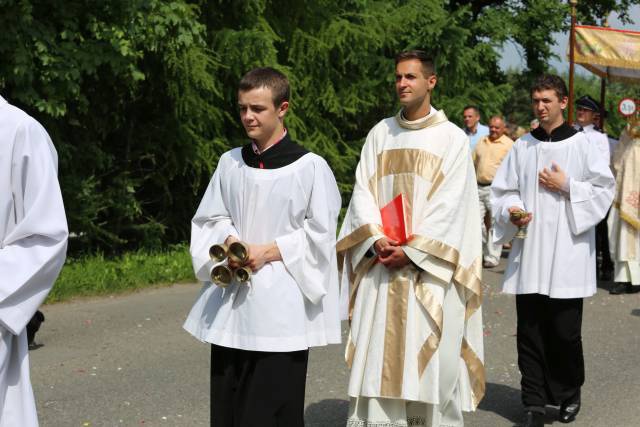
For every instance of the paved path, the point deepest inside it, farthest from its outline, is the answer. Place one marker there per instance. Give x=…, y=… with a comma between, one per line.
x=125, y=361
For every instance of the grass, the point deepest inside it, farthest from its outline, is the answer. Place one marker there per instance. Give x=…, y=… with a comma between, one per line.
x=98, y=275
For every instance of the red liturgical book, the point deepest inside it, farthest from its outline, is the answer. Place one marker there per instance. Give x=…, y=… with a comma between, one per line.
x=393, y=224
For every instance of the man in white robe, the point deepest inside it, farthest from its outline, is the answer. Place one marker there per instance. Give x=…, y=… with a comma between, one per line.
x=624, y=218
x=557, y=175
x=33, y=243
x=587, y=117
x=415, y=345
x=284, y=202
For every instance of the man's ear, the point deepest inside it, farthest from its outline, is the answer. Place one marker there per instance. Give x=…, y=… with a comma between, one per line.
x=431, y=81
x=282, y=109
x=564, y=102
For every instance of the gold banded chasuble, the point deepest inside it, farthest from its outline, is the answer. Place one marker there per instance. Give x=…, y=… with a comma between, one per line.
x=396, y=316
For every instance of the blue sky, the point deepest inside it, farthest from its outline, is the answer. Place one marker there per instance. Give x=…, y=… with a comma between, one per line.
x=512, y=58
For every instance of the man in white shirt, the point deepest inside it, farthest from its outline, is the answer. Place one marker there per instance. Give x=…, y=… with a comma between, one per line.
x=472, y=126
x=565, y=184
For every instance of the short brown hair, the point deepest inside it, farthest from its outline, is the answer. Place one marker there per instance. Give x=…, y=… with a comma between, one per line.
x=270, y=78
x=428, y=64
x=550, y=82
x=471, y=107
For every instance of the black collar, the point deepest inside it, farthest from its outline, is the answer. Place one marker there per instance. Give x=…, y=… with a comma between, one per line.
x=560, y=133
x=279, y=155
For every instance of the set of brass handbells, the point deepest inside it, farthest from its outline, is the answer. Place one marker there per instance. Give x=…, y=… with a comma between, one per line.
x=222, y=275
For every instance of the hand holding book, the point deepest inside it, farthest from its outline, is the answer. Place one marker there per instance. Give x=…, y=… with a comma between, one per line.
x=389, y=248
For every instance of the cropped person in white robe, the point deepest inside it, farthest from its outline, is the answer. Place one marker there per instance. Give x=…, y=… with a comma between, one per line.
x=284, y=202
x=588, y=112
x=33, y=243
x=624, y=218
x=415, y=346
x=561, y=178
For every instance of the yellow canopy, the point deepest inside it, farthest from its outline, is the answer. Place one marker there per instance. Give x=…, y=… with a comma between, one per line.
x=612, y=54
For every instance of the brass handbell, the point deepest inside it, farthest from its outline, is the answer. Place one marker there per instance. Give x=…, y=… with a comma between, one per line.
x=218, y=253
x=221, y=275
x=242, y=274
x=238, y=252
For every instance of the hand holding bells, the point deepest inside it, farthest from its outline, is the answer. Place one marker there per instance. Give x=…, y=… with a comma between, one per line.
x=222, y=275
x=522, y=229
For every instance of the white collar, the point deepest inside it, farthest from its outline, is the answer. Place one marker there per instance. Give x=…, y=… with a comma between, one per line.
x=434, y=117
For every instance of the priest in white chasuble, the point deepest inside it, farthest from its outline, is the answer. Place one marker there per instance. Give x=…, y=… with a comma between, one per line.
x=33, y=244
x=415, y=345
x=283, y=202
x=624, y=218
x=556, y=183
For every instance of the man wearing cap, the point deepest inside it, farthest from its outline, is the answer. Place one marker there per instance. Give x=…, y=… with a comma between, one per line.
x=587, y=117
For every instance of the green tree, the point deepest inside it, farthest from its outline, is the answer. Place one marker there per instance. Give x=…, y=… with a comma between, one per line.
x=139, y=96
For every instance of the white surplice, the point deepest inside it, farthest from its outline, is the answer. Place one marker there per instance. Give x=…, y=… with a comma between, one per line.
x=599, y=139
x=557, y=258
x=33, y=242
x=415, y=346
x=289, y=305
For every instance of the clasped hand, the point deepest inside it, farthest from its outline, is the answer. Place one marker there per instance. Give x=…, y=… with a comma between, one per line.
x=553, y=179
x=259, y=255
x=390, y=253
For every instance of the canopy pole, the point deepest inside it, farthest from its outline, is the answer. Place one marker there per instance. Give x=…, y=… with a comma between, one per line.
x=572, y=42
x=603, y=110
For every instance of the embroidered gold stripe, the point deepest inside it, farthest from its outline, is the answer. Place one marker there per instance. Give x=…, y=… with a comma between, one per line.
x=434, y=309
x=362, y=268
x=426, y=352
x=435, y=248
x=358, y=235
x=469, y=278
x=395, y=336
x=476, y=371
x=350, y=351
x=407, y=161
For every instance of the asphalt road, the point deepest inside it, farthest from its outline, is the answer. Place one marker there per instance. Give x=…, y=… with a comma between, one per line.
x=126, y=361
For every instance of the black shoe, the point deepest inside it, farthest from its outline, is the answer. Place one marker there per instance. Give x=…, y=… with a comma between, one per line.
x=33, y=326
x=568, y=412
x=618, y=288
x=632, y=289
x=533, y=419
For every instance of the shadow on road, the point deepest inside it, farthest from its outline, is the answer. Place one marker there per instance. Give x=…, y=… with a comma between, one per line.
x=327, y=413
x=635, y=312
x=503, y=401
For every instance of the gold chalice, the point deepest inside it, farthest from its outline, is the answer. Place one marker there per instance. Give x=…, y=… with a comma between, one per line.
x=522, y=229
